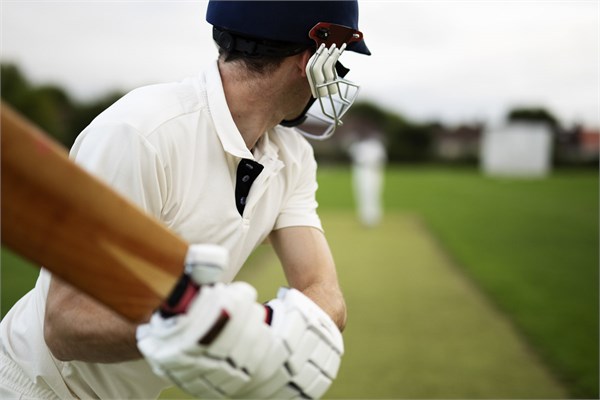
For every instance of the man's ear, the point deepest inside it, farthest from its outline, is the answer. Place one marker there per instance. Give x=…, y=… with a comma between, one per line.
x=303, y=61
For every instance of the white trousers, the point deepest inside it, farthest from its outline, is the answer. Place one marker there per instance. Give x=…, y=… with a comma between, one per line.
x=368, y=188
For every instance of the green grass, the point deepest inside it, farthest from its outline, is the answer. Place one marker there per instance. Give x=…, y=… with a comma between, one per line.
x=18, y=277
x=531, y=245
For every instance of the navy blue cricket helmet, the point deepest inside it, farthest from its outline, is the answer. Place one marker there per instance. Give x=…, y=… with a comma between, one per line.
x=281, y=21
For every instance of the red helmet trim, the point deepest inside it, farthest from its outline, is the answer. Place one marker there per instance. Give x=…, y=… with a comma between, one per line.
x=328, y=33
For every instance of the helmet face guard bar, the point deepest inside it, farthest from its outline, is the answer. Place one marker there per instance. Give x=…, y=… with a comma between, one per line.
x=326, y=75
x=334, y=94
x=341, y=71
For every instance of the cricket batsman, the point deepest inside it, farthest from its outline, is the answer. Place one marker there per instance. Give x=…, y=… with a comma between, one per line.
x=221, y=159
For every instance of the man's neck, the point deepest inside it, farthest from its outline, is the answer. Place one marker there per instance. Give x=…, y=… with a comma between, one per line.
x=254, y=102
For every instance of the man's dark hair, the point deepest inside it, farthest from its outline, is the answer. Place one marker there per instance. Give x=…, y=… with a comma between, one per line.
x=261, y=65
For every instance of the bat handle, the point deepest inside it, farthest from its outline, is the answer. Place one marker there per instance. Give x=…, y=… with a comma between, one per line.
x=205, y=263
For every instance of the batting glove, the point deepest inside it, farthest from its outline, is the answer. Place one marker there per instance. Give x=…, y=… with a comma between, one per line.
x=210, y=340
x=315, y=347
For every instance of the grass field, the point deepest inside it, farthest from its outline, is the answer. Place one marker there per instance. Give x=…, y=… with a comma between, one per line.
x=531, y=245
x=471, y=288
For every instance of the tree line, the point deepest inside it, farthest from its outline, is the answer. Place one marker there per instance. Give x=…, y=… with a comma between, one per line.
x=50, y=106
x=407, y=141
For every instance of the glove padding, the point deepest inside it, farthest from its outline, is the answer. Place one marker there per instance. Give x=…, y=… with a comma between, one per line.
x=211, y=339
x=315, y=345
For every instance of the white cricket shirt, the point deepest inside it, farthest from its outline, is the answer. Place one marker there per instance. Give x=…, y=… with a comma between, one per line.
x=173, y=149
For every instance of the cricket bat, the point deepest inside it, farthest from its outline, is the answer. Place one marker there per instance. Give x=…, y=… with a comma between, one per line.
x=58, y=216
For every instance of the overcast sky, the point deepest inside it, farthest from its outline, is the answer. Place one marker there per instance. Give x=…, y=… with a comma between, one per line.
x=459, y=61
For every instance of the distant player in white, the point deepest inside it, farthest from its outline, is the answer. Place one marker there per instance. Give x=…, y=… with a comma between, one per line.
x=217, y=159
x=368, y=162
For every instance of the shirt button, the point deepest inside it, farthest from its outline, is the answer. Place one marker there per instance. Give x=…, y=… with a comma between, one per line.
x=243, y=201
x=246, y=178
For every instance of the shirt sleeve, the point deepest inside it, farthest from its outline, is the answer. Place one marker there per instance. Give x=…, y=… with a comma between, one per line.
x=121, y=157
x=300, y=206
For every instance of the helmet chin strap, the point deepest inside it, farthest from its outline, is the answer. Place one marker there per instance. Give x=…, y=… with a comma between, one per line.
x=335, y=94
x=290, y=123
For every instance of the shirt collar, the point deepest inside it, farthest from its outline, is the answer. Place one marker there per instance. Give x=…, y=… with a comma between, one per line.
x=266, y=148
x=229, y=135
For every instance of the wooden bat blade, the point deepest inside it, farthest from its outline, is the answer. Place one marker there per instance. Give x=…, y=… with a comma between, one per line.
x=59, y=216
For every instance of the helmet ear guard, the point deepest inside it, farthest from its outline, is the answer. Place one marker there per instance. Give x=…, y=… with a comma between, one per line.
x=326, y=75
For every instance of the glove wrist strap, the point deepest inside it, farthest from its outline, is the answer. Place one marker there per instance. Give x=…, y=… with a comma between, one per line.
x=180, y=298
